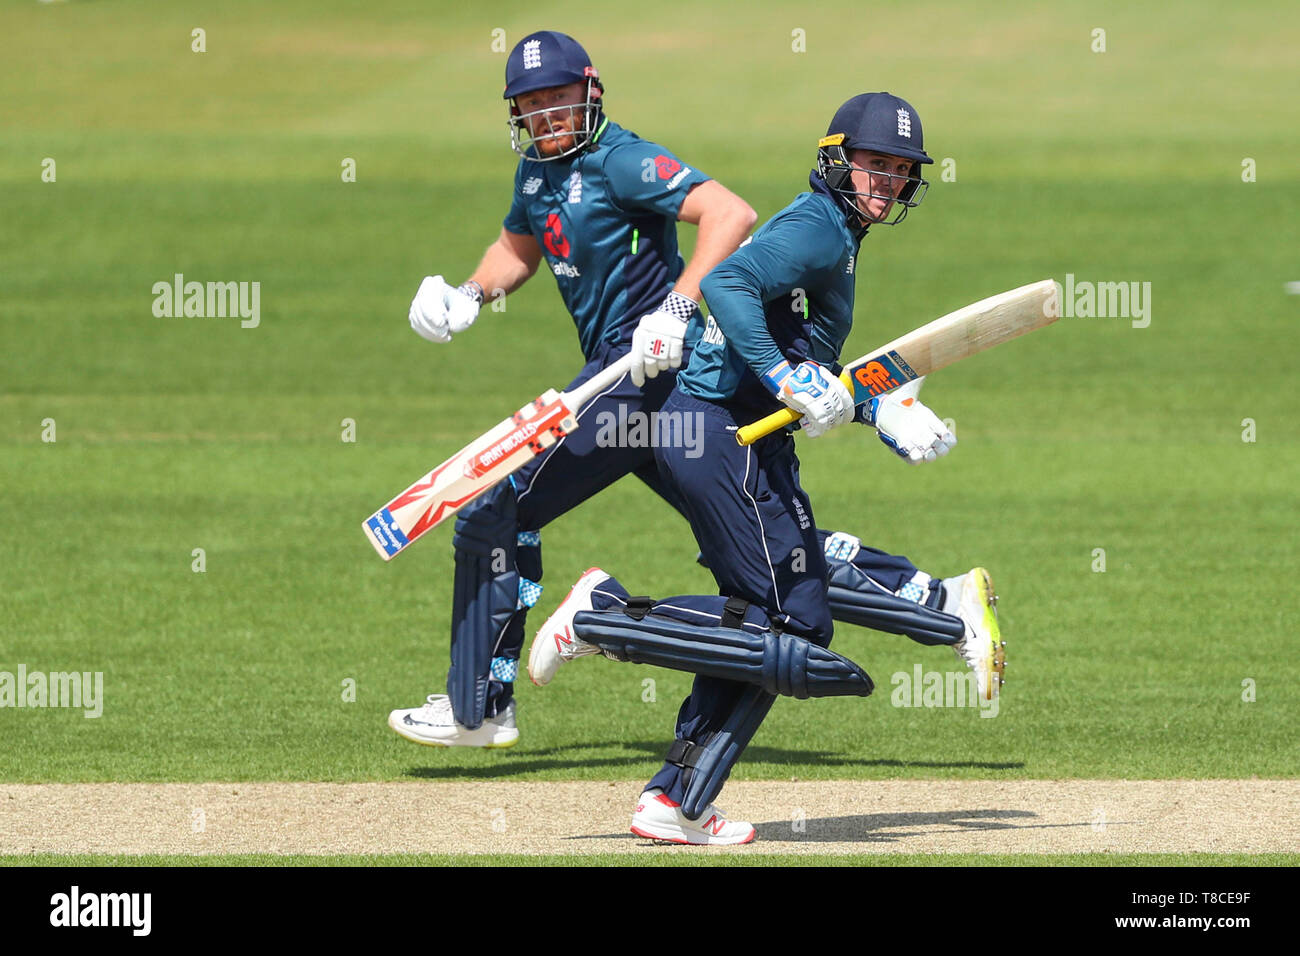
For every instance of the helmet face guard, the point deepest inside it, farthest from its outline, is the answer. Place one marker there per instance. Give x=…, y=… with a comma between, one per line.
x=528, y=130
x=836, y=169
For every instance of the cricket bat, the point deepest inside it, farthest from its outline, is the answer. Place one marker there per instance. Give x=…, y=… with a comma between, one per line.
x=955, y=336
x=489, y=459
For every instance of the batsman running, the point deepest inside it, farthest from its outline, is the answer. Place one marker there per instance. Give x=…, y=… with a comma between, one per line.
x=767, y=631
x=600, y=205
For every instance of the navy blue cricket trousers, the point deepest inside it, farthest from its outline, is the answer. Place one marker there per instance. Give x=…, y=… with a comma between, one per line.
x=755, y=527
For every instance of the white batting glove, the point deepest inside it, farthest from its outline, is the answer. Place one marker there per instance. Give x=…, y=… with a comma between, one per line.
x=907, y=426
x=657, y=340
x=824, y=401
x=439, y=310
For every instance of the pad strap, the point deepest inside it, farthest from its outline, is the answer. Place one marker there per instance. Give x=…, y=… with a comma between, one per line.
x=685, y=754
x=638, y=607
x=733, y=612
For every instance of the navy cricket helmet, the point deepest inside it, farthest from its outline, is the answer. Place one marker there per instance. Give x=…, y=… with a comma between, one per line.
x=541, y=61
x=882, y=123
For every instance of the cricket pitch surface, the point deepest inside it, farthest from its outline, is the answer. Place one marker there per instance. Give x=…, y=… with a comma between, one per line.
x=586, y=817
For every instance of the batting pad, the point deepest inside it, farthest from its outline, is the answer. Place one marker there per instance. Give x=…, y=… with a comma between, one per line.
x=778, y=663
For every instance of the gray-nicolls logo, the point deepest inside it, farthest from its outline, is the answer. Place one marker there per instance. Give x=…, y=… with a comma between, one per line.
x=76, y=908
x=904, y=123
x=532, y=54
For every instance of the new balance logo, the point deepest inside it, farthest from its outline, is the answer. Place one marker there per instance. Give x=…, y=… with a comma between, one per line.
x=715, y=824
x=904, y=123
x=532, y=54
x=532, y=184
x=875, y=378
x=562, y=639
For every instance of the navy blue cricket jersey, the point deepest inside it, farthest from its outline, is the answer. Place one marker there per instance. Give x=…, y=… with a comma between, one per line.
x=607, y=224
x=785, y=294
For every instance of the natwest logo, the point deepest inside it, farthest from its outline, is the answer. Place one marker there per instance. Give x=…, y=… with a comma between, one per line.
x=665, y=166
x=554, y=239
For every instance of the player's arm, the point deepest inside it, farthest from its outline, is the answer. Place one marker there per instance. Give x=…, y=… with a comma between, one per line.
x=440, y=310
x=723, y=220
x=508, y=263
x=792, y=254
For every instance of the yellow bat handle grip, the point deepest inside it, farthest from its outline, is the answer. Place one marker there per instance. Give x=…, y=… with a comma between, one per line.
x=777, y=420
x=765, y=426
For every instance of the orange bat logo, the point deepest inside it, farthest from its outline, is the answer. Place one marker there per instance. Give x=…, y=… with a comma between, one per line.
x=875, y=378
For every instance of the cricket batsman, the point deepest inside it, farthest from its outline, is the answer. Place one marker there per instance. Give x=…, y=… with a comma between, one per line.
x=600, y=205
x=767, y=631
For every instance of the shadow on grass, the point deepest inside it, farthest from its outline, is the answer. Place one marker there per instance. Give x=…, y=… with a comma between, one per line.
x=636, y=753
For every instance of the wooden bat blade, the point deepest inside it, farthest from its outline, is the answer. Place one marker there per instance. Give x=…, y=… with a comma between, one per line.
x=477, y=467
x=958, y=335
x=968, y=331
x=487, y=460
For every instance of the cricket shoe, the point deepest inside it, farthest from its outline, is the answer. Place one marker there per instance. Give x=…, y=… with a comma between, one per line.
x=555, y=642
x=660, y=819
x=434, y=726
x=971, y=597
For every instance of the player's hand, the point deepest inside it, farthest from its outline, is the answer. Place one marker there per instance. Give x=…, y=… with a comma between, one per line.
x=812, y=390
x=439, y=310
x=657, y=340
x=907, y=426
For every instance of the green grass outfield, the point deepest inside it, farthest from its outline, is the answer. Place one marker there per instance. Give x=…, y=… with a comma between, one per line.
x=674, y=857
x=185, y=433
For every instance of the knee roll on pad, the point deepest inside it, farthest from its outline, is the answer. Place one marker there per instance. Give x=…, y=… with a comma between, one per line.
x=778, y=663
x=855, y=599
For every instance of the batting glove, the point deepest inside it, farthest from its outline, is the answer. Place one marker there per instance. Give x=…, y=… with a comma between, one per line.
x=812, y=390
x=439, y=310
x=908, y=427
x=657, y=340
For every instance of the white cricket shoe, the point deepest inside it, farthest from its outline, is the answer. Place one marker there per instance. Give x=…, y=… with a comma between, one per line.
x=434, y=726
x=555, y=642
x=658, y=818
x=971, y=597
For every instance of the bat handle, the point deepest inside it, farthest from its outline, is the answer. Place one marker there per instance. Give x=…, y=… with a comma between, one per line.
x=751, y=433
x=589, y=389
